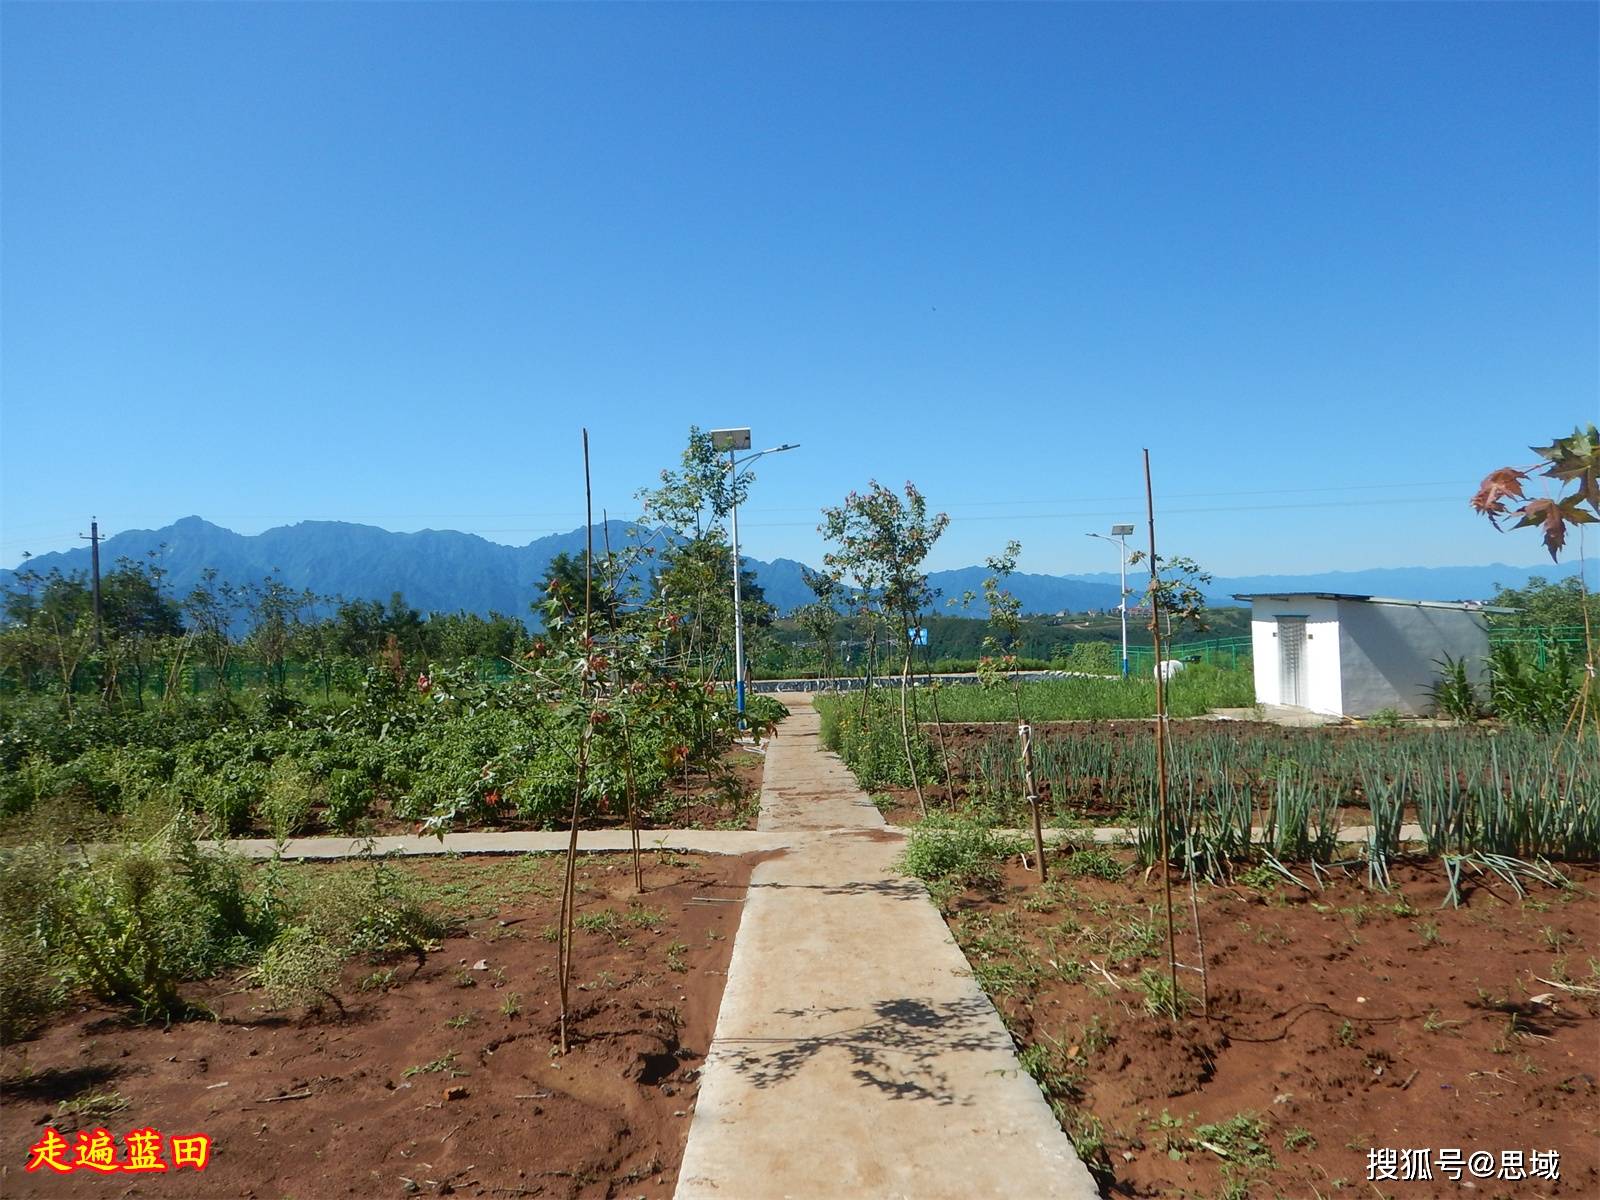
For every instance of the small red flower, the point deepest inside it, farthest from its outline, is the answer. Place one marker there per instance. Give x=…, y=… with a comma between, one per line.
x=492, y=799
x=424, y=684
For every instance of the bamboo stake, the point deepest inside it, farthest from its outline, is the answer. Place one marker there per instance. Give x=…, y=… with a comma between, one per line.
x=905, y=724
x=627, y=740
x=1025, y=734
x=944, y=751
x=569, y=890
x=1161, y=729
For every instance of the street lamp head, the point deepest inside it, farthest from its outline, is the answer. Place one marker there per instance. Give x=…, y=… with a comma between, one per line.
x=730, y=439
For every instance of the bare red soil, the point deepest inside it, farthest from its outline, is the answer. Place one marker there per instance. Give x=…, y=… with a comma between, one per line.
x=1342, y=1021
x=443, y=1081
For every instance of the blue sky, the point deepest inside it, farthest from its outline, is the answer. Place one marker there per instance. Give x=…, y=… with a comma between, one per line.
x=1331, y=263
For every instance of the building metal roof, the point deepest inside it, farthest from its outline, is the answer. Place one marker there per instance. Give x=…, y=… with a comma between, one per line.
x=1461, y=605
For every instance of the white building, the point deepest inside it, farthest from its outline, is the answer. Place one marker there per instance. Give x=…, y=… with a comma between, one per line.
x=1352, y=656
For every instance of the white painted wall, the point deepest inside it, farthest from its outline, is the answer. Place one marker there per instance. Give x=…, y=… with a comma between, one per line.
x=1321, y=661
x=1389, y=653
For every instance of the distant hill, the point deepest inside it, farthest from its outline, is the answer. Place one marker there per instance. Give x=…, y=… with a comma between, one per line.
x=437, y=570
x=1038, y=593
x=443, y=570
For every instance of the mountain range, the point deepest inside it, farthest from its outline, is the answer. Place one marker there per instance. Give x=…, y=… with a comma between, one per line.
x=441, y=570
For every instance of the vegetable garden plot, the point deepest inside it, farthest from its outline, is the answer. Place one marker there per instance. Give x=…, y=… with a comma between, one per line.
x=438, y=1075
x=1518, y=793
x=1351, y=1030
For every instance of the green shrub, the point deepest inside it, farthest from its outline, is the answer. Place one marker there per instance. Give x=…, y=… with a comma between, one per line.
x=121, y=924
x=1453, y=694
x=29, y=990
x=290, y=796
x=28, y=993
x=945, y=848
x=299, y=969
x=1095, y=863
x=130, y=925
x=872, y=743
x=764, y=710
x=1093, y=658
x=1524, y=693
x=349, y=799
x=372, y=908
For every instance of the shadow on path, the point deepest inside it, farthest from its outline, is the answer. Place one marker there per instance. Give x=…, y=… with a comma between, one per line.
x=898, y=889
x=895, y=1053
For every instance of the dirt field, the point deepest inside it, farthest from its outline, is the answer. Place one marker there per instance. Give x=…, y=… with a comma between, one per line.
x=441, y=1077
x=1343, y=1021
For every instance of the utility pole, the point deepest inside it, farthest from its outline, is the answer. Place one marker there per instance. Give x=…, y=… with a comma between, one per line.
x=93, y=538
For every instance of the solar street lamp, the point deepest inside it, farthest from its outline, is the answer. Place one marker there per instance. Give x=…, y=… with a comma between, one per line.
x=734, y=440
x=1118, y=536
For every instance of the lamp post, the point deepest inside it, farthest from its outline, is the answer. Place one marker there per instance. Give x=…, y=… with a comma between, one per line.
x=733, y=440
x=1118, y=536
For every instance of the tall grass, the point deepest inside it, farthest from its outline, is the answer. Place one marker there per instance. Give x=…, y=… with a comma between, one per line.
x=1516, y=792
x=1191, y=693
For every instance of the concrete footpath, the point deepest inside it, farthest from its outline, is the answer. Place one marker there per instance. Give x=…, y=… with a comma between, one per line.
x=854, y=1055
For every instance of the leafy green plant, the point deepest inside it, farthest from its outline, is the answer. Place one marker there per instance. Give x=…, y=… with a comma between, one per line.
x=880, y=542
x=1161, y=997
x=115, y=917
x=445, y=1063
x=1299, y=1138
x=299, y=969
x=1384, y=718
x=350, y=798
x=865, y=733
x=290, y=795
x=605, y=921
x=1241, y=1139
x=946, y=848
x=764, y=711
x=1454, y=694
x=1541, y=697
x=29, y=990
x=378, y=981
x=1096, y=863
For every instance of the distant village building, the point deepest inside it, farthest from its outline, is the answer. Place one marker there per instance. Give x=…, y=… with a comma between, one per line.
x=1352, y=656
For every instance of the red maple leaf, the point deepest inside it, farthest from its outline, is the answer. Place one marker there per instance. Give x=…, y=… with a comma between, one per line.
x=1496, y=487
